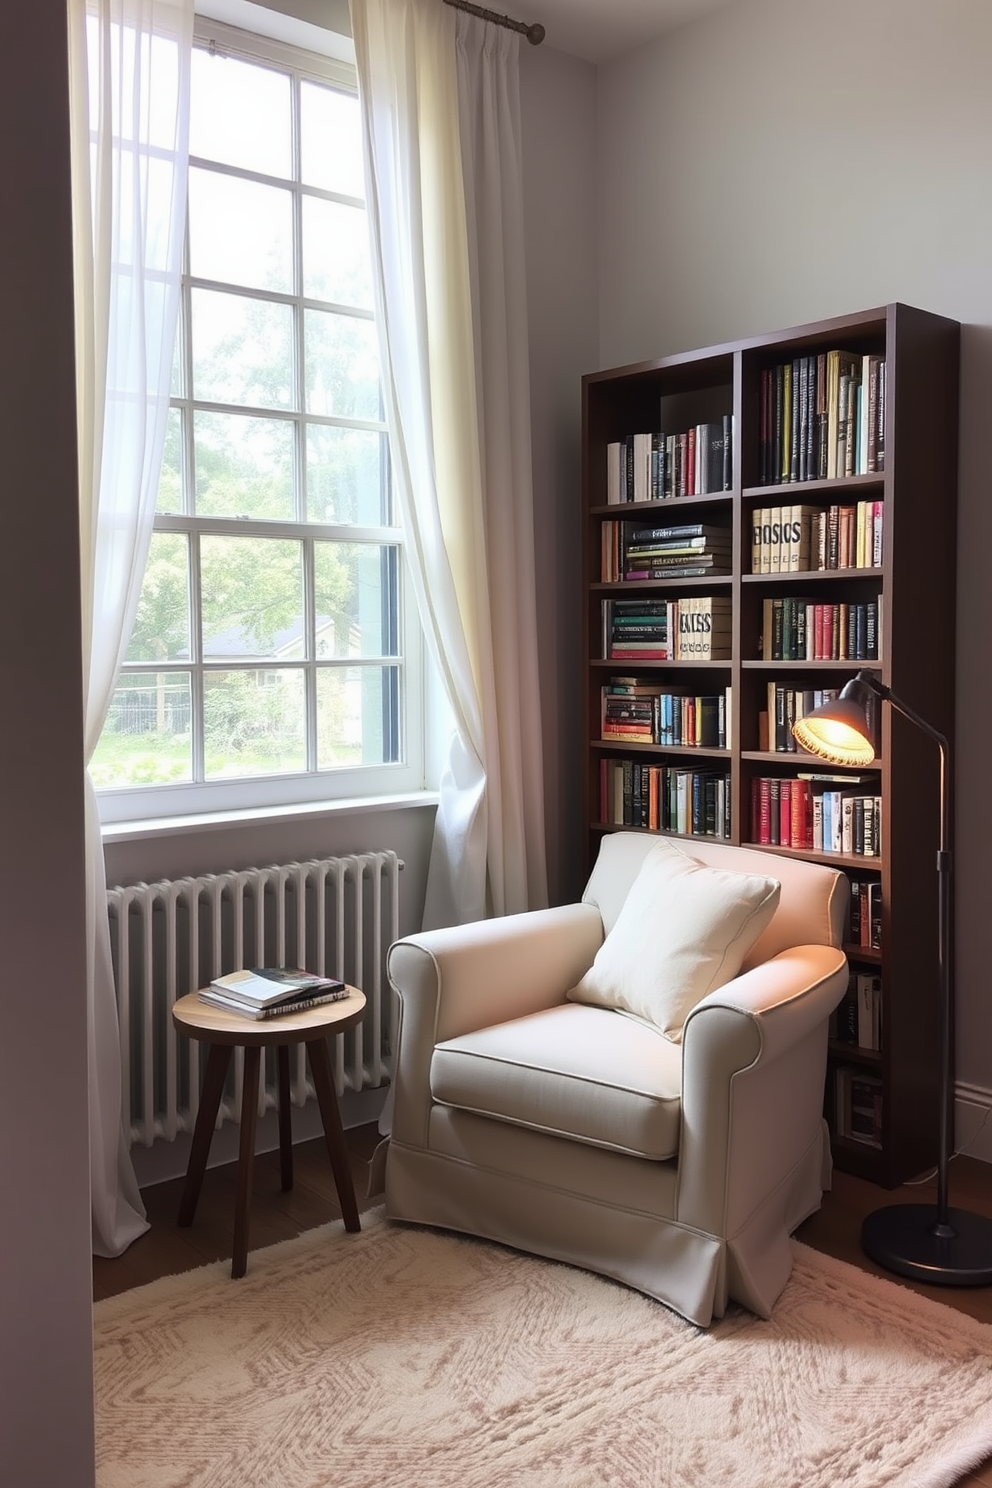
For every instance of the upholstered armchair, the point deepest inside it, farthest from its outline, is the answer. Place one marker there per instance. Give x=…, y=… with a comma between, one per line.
x=672, y=1145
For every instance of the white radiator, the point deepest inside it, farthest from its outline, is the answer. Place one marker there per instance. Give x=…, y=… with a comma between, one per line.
x=336, y=916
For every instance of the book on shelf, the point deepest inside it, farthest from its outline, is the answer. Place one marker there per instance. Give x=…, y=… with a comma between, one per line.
x=797, y=811
x=704, y=628
x=695, y=568
x=858, y=1105
x=869, y=990
x=695, y=628
x=272, y=986
x=796, y=628
x=669, y=798
x=656, y=466
x=857, y=1020
x=821, y=415
x=647, y=713
x=843, y=1022
x=811, y=539
x=641, y=628
x=659, y=543
x=865, y=928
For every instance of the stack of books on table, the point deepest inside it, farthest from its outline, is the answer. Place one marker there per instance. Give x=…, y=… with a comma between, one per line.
x=267, y=991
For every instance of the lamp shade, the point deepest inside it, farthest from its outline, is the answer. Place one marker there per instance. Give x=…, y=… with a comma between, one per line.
x=839, y=731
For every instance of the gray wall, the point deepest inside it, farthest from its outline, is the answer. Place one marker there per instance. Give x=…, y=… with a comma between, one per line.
x=46, y=1399
x=784, y=160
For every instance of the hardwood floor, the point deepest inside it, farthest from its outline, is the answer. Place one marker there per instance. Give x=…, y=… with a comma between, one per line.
x=312, y=1201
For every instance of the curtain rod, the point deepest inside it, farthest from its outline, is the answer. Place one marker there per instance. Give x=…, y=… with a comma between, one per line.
x=534, y=34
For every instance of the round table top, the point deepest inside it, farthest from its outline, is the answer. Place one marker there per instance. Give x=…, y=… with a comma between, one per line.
x=214, y=1025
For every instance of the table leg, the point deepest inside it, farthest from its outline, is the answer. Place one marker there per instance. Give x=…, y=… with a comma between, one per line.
x=246, y=1159
x=330, y=1115
x=285, y=1120
x=218, y=1061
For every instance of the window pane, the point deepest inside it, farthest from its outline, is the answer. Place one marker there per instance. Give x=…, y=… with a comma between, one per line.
x=342, y=366
x=170, y=481
x=240, y=231
x=161, y=627
x=253, y=722
x=242, y=350
x=244, y=466
x=355, y=599
x=146, y=738
x=331, y=140
x=347, y=476
x=252, y=598
x=336, y=255
x=356, y=716
x=240, y=114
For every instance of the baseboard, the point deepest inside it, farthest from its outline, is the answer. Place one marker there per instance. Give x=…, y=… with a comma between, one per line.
x=165, y=1160
x=972, y=1126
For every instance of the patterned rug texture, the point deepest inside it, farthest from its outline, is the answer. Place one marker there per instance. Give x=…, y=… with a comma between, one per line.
x=408, y=1358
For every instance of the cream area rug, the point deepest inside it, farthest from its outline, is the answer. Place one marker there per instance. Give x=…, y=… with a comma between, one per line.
x=403, y=1357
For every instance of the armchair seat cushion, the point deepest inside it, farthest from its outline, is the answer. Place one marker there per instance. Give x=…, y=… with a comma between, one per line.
x=590, y=1074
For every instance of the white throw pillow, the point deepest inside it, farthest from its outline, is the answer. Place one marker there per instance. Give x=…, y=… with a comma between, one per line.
x=683, y=931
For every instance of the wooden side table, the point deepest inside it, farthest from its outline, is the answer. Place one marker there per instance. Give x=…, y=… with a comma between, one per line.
x=224, y=1032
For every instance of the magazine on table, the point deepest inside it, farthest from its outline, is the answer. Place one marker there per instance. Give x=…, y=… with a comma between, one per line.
x=294, y=1004
x=265, y=987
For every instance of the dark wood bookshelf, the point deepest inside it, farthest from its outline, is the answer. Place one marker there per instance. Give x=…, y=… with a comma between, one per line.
x=914, y=589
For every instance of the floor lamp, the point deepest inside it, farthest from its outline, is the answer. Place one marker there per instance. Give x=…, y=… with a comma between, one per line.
x=928, y=1242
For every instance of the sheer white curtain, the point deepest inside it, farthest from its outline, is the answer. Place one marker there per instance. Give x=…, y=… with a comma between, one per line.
x=129, y=93
x=442, y=136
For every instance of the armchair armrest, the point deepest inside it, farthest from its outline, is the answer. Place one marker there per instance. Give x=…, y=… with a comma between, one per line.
x=746, y=1110
x=456, y=980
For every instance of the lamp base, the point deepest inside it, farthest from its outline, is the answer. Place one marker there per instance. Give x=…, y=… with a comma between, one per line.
x=910, y=1240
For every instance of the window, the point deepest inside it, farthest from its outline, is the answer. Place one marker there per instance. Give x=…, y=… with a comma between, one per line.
x=274, y=658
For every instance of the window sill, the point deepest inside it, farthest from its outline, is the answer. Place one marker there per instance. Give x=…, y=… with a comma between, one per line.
x=176, y=826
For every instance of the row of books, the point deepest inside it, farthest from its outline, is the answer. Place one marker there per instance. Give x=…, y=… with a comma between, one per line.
x=267, y=991
x=822, y=416
x=636, y=712
x=649, y=628
x=858, y=1111
x=816, y=539
x=691, y=550
x=857, y=1019
x=866, y=913
x=693, y=557
x=661, y=467
x=804, y=813
x=665, y=798
x=795, y=628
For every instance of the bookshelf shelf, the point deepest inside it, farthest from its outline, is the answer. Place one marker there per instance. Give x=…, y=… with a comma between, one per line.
x=812, y=488
x=851, y=1054
x=871, y=955
x=912, y=501
x=799, y=761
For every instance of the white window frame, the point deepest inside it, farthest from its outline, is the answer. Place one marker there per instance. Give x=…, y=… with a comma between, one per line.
x=319, y=786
